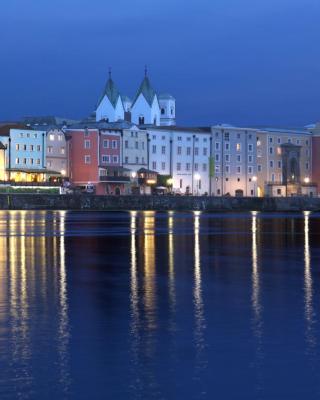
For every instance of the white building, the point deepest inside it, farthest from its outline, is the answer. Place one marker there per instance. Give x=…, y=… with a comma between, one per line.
x=110, y=106
x=147, y=108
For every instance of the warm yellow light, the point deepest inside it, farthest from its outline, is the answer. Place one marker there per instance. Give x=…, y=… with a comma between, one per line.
x=197, y=177
x=151, y=181
x=133, y=174
x=170, y=181
x=63, y=172
x=306, y=179
x=254, y=179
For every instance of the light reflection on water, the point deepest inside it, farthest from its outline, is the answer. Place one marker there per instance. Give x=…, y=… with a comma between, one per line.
x=181, y=305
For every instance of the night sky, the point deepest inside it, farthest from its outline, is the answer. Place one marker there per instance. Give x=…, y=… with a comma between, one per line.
x=245, y=62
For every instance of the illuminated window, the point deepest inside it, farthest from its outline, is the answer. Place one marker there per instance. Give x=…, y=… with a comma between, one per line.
x=51, y=137
x=238, y=146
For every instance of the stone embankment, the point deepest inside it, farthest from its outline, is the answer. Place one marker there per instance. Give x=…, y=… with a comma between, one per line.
x=161, y=203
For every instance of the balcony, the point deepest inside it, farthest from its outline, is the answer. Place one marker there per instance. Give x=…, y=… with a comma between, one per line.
x=114, y=179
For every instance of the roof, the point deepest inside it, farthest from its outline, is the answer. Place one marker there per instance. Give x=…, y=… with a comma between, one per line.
x=146, y=90
x=165, y=96
x=174, y=128
x=285, y=130
x=121, y=124
x=147, y=171
x=5, y=129
x=111, y=92
x=2, y=146
x=47, y=120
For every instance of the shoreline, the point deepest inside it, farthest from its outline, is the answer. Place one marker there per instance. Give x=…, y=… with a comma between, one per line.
x=156, y=203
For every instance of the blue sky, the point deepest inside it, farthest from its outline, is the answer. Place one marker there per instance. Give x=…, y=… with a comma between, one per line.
x=244, y=62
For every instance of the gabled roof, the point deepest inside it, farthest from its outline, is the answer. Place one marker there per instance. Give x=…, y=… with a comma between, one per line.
x=146, y=90
x=111, y=91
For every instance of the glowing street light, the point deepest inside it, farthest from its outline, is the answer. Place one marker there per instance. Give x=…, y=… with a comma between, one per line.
x=133, y=174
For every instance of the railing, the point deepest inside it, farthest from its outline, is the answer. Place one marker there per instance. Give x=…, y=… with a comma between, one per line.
x=115, y=179
x=31, y=184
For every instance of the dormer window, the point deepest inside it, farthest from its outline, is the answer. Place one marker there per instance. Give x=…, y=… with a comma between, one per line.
x=163, y=111
x=141, y=120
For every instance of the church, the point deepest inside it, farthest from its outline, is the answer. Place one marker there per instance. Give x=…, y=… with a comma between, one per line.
x=146, y=108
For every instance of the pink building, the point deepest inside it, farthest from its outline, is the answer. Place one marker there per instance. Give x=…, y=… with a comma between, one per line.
x=95, y=157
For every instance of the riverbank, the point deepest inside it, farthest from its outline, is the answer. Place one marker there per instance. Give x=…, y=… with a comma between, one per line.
x=159, y=203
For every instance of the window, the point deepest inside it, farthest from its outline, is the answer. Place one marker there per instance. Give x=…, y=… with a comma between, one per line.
x=115, y=144
x=279, y=151
x=86, y=133
x=137, y=145
x=179, y=138
x=272, y=177
x=115, y=159
x=196, y=151
x=105, y=159
x=17, y=147
x=31, y=161
x=31, y=147
x=204, y=140
x=62, y=150
x=238, y=146
x=259, y=167
x=270, y=150
x=205, y=151
x=307, y=142
x=50, y=149
x=48, y=163
x=227, y=146
x=178, y=166
x=238, y=135
x=154, y=137
x=249, y=170
x=250, y=136
x=18, y=160
x=238, y=158
x=279, y=140
x=271, y=164
x=24, y=147
x=217, y=168
x=163, y=166
x=226, y=136
x=28, y=135
x=179, y=150
x=154, y=149
x=188, y=151
x=307, y=165
x=227, y=169
x=51, y=137
x=227, y=157
x=204, y=167
x=162, y=111
x=137, y=160
x=126, y=144
x=289, y=140
x=154, y=165
x=188, y=166
x=35, y=135
x=238, y=169
x=188, y=139
x=87, y=159
x=250, y=147
x=270, y=139
x=38, y=147
x=38, y=161
x=217, y=158
x=250, y=159
x=298, y=141
x=181, y=181
x=21, y=135
x=163, y=149
x=60, y=137
x=279, y=192
x=126, y=160
x=106, y=143
x=196, y=166
x=217, y=146
x=279, y=164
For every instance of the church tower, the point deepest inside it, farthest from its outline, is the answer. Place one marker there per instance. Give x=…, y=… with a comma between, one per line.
x=145, y=108
x=110, y=107
x=167, y=109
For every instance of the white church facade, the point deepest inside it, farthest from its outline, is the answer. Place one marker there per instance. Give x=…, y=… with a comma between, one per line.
x=147, y=108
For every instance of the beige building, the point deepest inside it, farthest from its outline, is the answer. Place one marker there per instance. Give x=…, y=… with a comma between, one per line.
x=134, y=148
x=57, y=159
x=284, y=162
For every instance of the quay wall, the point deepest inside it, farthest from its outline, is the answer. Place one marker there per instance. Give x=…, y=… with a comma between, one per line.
x=160, y=203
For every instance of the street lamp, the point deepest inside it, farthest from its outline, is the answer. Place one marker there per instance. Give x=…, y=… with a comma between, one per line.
x=254, y=180
x=170, y=183
x=306, y=179
x=197, y=177
x=133, y=174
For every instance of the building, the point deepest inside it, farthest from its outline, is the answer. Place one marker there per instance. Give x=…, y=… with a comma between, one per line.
x=134, y=148
x=57, y=155
x=284, y=162
x=25, y=154
x=147, y=107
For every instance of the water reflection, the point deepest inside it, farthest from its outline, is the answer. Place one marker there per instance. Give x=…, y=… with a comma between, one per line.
x=29, y=274
x=308, y=287
x=172, y=296
x=201, y=360
x=256, y=302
